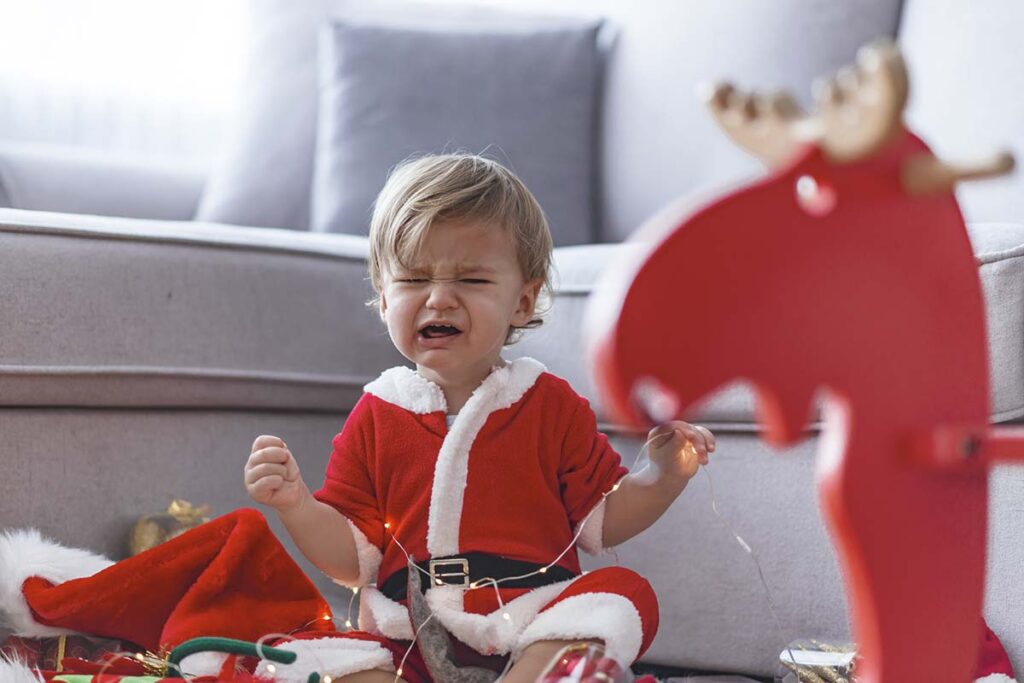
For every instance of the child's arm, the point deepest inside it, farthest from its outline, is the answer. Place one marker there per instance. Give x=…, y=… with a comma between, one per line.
x=272, y=477
x=642, y=498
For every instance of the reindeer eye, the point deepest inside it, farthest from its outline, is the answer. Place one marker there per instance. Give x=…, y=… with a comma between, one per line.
x=815, y=197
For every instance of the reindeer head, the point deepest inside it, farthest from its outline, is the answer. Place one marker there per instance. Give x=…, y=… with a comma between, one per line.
x=761, y=284
x=859, y=111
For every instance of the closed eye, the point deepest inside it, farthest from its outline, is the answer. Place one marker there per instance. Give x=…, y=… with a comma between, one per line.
x=412, y=280
x=476, y=281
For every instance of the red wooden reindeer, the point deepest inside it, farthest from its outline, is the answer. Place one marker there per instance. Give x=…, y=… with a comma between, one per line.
x=847, y=270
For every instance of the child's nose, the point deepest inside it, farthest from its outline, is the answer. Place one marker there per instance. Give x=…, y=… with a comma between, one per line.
x=442, y=295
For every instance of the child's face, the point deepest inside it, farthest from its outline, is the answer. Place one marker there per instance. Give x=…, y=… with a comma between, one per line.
x=466, y=277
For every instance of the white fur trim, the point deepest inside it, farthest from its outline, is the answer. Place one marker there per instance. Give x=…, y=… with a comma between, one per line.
x=611, y=618
x=381, y=615
x=16, y=671
x=500, y=389
x=203, y=663
x=995, y=678
x=490, y=633
x=25, y=553
x=334, y=657
x=369, y=557
x=486, y=633
x=591, y=541
x=408, y=389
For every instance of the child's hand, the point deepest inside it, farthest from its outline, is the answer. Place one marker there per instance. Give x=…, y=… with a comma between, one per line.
x=678, y=448
x=272, y=476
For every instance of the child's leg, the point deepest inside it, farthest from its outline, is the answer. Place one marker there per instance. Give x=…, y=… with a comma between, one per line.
x=535, y=659
x=612, y=605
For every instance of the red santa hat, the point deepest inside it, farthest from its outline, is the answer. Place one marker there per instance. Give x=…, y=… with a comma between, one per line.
x=229, y=577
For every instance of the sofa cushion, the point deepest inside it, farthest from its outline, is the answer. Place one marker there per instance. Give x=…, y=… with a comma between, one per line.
x=999, y=248
x=265, y=173
x=658, y=140
x=48, y=177
x=524, y=95
x=128, y=312
x=715, y=613
x=967, y=102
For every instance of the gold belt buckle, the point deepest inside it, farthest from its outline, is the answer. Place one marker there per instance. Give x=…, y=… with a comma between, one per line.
x=460, y=564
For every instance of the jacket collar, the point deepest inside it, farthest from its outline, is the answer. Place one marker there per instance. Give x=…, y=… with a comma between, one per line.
x=406, y=388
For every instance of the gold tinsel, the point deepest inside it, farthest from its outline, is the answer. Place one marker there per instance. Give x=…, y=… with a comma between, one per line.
x=152, y=530
x=821, y=674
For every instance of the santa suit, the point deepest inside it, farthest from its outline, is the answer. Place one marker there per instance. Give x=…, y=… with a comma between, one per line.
x=520, y=468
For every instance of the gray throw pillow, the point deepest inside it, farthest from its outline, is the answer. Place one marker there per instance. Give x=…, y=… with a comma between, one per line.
x=525, y=96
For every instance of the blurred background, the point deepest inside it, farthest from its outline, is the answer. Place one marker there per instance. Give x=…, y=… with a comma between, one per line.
x=147, y=78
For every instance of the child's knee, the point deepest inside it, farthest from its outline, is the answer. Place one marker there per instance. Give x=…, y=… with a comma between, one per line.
x=620, y=580
x=627, y=584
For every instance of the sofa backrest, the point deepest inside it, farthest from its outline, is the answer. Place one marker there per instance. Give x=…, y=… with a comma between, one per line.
x=967, y=93
x=658, y=141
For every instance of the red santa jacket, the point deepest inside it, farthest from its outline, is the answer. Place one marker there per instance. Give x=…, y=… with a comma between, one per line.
x=521, y=466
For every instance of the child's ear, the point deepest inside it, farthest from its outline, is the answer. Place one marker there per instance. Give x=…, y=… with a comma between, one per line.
x=527, y=302
x=383, y=307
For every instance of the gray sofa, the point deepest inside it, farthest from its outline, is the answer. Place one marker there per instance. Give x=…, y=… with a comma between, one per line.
x=142, y=351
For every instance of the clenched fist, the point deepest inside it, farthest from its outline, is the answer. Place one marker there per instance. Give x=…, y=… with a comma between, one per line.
x=272, y=476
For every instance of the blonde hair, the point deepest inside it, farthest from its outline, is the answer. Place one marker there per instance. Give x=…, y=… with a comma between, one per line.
x=439, y=187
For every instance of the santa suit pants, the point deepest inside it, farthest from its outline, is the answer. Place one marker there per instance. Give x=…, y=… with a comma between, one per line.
x=595, y=606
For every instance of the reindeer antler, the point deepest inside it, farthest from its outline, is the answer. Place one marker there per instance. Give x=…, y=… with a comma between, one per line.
x=858, y=110
x=771, y=127
x=925, y=174
x=861, y=107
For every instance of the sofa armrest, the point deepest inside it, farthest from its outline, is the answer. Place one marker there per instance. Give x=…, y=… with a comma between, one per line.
x=56, y=178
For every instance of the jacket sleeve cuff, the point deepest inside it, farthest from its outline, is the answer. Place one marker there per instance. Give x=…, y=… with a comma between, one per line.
x=369, y=557
x=591, y=536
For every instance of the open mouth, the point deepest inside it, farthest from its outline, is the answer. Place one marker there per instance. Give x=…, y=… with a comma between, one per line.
x=439, y=330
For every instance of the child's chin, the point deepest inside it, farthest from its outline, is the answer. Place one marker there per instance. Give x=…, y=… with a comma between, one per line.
x=438, y=359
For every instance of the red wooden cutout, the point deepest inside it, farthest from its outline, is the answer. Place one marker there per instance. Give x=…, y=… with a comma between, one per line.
x=871, y=295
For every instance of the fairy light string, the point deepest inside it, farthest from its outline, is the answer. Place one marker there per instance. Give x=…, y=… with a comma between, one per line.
x=642, y=458
x=287, y=637
x=753, y=556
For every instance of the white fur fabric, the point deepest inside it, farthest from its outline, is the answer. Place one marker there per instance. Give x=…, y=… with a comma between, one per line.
x=203, y=663
x=490, y=633
x=996, y=678
x=381, y=615
x=610, y=618
x=591, y=540
x=369, y=559
x=408, y=389
x=500, y=389
x=14, y=671
x=487, y=633
x=26, y=553
x=334, y=657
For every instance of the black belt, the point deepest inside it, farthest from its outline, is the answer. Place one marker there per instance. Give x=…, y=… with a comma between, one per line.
x=463, y=570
